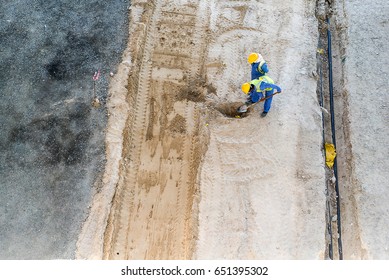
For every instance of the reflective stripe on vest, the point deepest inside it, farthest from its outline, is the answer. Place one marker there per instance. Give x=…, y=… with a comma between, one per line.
x=260, y=67
x=267, y=79
x=257, y=83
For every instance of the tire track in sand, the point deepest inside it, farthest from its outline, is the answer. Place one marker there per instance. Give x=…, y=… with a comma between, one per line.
x=151, y=215
x=117, y=235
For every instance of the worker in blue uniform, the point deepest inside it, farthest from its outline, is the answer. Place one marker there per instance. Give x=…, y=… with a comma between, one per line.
x=260, y=88
x=259, y=66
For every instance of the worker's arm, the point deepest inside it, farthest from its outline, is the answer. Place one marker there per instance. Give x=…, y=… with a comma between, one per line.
x=254, y=97
x=266, y=85
x=265, y=68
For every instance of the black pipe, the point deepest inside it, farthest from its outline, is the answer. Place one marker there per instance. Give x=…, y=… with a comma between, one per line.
x=334, y=139
x=321, y=103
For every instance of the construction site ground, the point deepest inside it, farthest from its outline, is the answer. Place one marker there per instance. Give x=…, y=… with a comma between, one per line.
x=186, y=177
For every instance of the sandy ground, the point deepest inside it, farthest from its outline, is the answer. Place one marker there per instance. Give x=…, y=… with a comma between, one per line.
x=363, y=86
x=191, y=178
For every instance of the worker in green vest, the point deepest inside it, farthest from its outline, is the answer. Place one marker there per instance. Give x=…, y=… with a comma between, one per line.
x=258, y=89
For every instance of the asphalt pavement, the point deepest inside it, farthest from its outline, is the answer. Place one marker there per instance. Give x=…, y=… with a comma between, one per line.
x=51, y=137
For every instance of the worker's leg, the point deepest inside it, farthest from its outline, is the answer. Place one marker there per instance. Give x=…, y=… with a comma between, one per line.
x=267, y=105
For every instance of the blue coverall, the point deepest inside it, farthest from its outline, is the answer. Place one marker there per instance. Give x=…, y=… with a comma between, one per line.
x=260, y=86
x=258, y=70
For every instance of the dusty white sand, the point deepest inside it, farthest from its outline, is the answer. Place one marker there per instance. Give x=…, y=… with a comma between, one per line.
x=262, y=181
x=366, y=81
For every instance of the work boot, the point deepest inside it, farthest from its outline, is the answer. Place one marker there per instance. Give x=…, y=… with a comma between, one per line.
x=263, y=114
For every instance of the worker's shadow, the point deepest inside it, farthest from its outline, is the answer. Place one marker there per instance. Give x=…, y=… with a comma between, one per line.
x=231, y=110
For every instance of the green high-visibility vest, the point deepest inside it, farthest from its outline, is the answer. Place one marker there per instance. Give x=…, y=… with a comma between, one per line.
x=257, y=83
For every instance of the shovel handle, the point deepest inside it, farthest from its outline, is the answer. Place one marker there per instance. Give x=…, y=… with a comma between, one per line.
x=260, y=100
x=265, y=98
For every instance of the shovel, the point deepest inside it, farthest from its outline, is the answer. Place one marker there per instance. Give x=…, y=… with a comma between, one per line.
x=243, y=108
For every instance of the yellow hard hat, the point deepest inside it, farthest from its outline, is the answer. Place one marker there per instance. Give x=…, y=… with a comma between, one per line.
x=252, y=57
x=246, y=88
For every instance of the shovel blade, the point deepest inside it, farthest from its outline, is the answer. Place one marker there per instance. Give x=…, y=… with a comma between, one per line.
x=242, y=109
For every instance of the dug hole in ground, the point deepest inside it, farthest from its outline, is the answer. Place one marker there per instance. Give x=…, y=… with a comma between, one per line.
x=186, y=179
